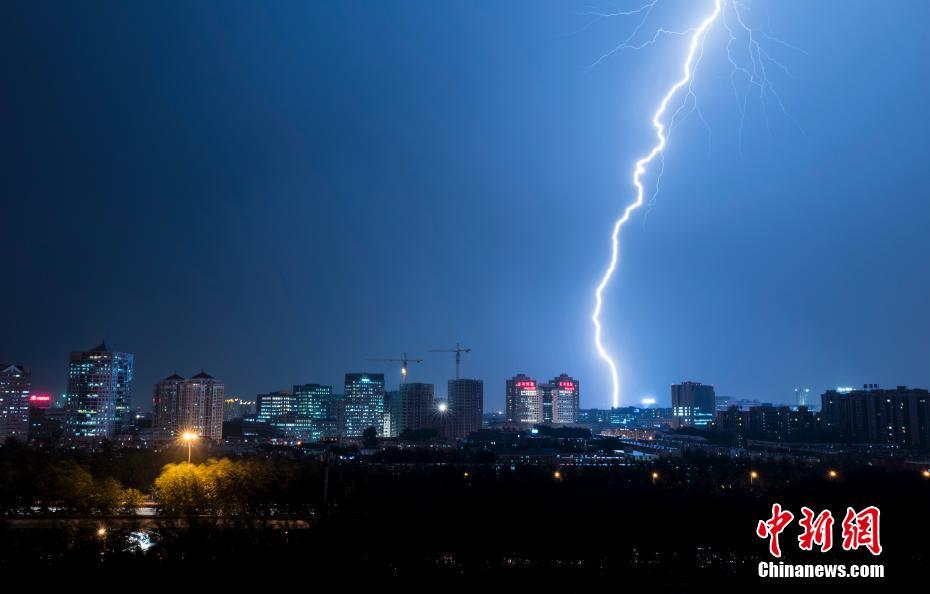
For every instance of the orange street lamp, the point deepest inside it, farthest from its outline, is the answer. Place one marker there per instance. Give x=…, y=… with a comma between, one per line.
x=926, y=474
x=557, y=475
x=655, y=477
x=752, y=476
x=833, y=474
x=189, y=437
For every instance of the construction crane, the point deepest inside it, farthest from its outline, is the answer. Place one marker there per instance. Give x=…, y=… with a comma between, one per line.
x=458, y=350
x=405, y=360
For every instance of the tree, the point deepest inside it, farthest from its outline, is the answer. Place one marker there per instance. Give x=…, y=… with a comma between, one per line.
x=370, y=438
x=132, y=500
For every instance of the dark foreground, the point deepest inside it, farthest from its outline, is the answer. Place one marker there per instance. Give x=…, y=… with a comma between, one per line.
x=690, y=528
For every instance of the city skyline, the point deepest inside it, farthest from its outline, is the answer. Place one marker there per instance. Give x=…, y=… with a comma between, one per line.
x=339, y=221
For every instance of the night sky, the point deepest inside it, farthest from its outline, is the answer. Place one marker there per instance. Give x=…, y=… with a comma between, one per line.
x=275, y=191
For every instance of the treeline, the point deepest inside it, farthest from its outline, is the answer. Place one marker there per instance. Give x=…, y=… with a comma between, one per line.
x=252, y=487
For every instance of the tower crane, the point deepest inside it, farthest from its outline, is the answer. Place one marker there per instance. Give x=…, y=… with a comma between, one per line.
x=405, y=361
x=458, y=350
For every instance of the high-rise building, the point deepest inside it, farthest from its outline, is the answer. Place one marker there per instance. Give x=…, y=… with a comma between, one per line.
x=313, y=402
x=417, y=409
x=523, y=400
x=310, y=400
x=693, y=404
x=194, y=405
x=393, y=413
x=99, y=389
x=899, y=415
x=201, y=409
x=802, y=396
x=466, y=405
x=273, y=404
x=560, y=400
x=15, y=384
x=165, y=407
x=364, y=398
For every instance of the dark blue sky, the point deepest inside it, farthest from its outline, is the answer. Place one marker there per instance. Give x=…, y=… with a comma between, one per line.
x=275, y=191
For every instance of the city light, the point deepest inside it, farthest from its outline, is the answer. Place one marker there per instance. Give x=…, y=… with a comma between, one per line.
x=189, y=437
x=833, y=474
x=101, y=531
x=443, y=407
x=557, y=475
x=753, y=475
x=926, y=474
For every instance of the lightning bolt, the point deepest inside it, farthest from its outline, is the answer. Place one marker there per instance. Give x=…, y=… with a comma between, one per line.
x=698, y=34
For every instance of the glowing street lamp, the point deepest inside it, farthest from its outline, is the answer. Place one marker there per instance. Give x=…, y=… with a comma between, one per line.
x=753, y=475
x=655, y=477
x=443, y=407
x=189, y=437
x=833, y=474
x=926, y=474
x=557, y=475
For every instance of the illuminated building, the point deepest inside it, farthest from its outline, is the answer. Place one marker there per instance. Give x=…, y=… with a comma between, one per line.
x=560, y=400
x=194, y=405
x=15, y=383
x=364, y=403
x=898, y=416
x=393, y=412
x=273, y=404
x=99, y=388
x=802, y=396
x=693, y=404
x=313, y=402
x=466, y=405
x=310, y=400
x=40, y=400
x=523, y=400
x=236, y=408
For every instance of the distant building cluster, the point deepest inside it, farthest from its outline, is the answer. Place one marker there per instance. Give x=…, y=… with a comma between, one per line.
x=96, y=408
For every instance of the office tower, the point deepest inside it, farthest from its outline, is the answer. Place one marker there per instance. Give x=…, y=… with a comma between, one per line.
x=15, y=384
x=560, y=400
x=417, y=408
x=310, y=400
x=898, y=415
x=466, y=405
x=273, y=404
x=189, y=405
x=393, y=414
x=99, y=388
x=693, y=404
x=364, y=398
x=523, y=400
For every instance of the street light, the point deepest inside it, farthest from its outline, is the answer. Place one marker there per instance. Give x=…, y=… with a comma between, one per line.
x=833, y=474
x=557, y=475
x=189, y=437
x=752, y=476
x=655, y=477
x=926, y=474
